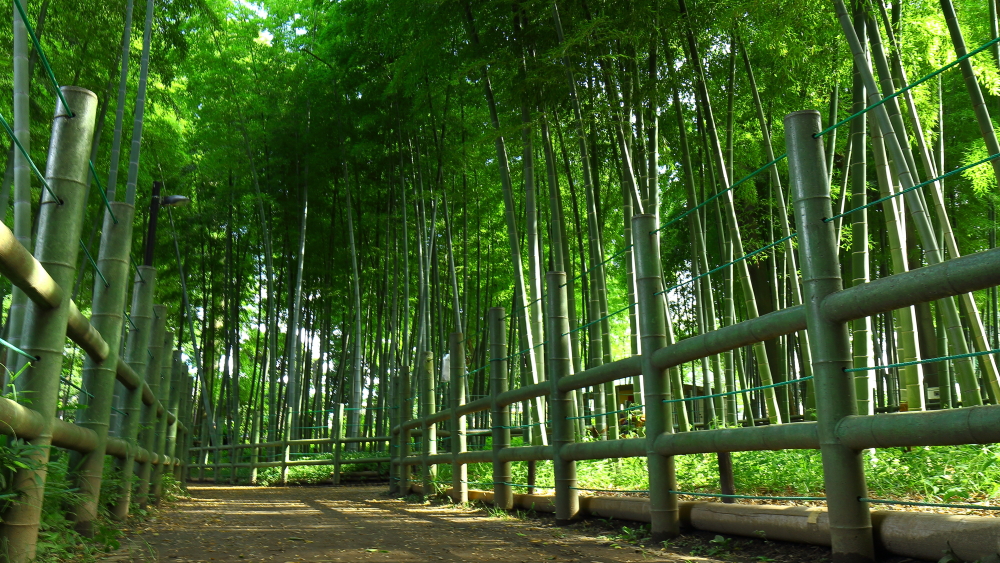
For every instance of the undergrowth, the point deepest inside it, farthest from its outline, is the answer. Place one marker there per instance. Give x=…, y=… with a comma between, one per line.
x=953, y=474
x=58, y=541
x=314, y=474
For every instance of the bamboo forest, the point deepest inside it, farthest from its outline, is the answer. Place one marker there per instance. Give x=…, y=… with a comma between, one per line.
x=711, y=275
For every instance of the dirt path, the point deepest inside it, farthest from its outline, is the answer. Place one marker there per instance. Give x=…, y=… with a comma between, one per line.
x=362, y=524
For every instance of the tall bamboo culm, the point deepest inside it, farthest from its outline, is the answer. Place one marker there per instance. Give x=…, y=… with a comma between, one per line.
x=59, y=227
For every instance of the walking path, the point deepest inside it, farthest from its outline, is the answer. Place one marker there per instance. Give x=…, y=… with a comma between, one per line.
x=361, y=524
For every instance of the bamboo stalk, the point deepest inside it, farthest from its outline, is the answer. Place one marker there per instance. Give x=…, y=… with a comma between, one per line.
x=503, y=494
x=560, y=364
x=147, y=430
x=844, y=478
x=136, y=355
x=160, y=432
x=743, y=271
x=59, y=228
x=664, y=510
x=889, y=124
x=861, y=341
x=21, y=172
x=107, y=304
x=459, y=471
x=428, y=406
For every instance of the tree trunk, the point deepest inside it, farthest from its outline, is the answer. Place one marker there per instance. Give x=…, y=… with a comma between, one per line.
x=116, y=139
x=295, y=401
x=140, y=106
x=749, y=299
x=353, y=415
x=528, y=339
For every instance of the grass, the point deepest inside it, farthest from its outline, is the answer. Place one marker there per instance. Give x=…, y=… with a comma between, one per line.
x=311, y=474
x=950, y=474
x=58, y=541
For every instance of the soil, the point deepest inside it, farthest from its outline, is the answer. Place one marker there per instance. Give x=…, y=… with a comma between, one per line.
x=364, y=524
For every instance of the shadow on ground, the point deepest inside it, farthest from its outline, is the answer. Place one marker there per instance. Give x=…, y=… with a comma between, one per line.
x=362, y=524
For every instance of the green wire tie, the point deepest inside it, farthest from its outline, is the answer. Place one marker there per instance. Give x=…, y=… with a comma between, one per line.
x=41, y=54
x=136, y=266
x=927, y=361
x=104, y=193
x=934, y=504
x=709, y=200
x=608, y=316
x=75, y=386
x=530, y=303
x=904, y=89
x=19, y=351
x=119, y=411
x=520, y=425
x=749, y=497
x=130, y=320
x=747, y=390
x=608, y=490
x=477, y=370
x=93, y=263
x=27, y=157
x=521, y=353
x=610, y=258
x=494, y=483
x=728, y=264
x=632, y=408
x=920, y=185
x=521, y=485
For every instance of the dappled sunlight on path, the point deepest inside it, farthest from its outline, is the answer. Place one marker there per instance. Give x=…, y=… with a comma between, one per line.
x=353, y=524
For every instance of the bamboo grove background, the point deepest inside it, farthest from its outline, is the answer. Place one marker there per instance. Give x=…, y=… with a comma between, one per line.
x=368, y=177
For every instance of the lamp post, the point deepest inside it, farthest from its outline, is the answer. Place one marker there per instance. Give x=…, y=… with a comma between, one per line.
x=144, y=352
x=154, y=214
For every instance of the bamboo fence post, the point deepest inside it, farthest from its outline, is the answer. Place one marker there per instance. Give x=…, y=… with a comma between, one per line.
x=392, y=445
x=560, y=365
x=160, y=436
x=428, y=406
x=235, y=451
x=182, y=462
x=149, y=420
x=59, y=226
x=395, y=422
x=503, y=494
x=99, y=377
x=843, y=472
x=663, y=507
x=406, y=413
x=136, y=350
x=254, y=460
x=187, y=403
x=459, y=440
x=173, y=430
x=338, y=440
x=286, y=451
